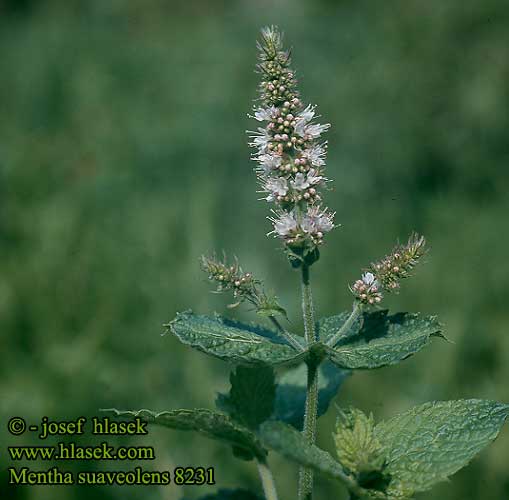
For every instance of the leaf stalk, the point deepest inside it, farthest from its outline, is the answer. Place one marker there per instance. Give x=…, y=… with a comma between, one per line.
x=356, y=312
x=268, y=484
x=294, y=342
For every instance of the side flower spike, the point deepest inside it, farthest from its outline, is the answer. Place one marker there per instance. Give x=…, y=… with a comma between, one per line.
x=245, y=288
x=387, y=273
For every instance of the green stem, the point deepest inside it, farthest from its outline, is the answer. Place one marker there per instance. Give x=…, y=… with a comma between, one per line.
x=356, y=311
x=307, y=308
x=269, y=487
x=310, y=415
x=286, y=334
x=309, y=431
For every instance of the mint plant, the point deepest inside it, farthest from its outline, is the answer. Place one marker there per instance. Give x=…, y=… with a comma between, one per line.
x=282, y=382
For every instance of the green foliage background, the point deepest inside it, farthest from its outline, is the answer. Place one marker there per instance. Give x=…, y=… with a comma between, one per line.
x=123, y=157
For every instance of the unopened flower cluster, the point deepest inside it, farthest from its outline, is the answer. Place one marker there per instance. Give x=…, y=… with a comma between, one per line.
x=289, y=154
x=231, y=277
x=387, y=273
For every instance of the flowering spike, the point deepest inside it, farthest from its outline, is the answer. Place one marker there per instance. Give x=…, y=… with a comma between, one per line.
x=387, y=273
x=290, y=158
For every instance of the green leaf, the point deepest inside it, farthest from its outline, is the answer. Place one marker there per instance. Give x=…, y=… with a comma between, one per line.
x=233, y=341
x=430, y=442
x=357, y=447
x=291, y=392
x=208, y=423
x=378, y=340
x=252, y=395
x=292, y=444
x=226, y=494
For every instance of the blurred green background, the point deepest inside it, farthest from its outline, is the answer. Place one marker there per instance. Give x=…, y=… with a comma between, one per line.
x=123, y=157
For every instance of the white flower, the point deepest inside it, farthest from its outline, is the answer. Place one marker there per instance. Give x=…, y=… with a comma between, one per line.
x=260, y=139
x=317, y=220
x=300, y=183
x=325, y=222
x=276, y=186
x=370, y=281
x=285, y=224
x=307, y=224
x=368, y=278
x=307, y=114
x=269, y=162
x=314, y=179
x=300, y=126
x=306, y=129
x=315, y=154
x=303, y=119
x=366, y=289
x=315, y=130
x=266, y=114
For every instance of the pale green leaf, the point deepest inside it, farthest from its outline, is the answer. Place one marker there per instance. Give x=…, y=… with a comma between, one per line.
x=378, y=340
x=357, y=447
x=233, y=341
x=206, y=422
x=292, y=444
x=430, y=442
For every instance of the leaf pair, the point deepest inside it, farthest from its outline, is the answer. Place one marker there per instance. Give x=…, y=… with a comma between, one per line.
x=375, y=340
x=421, y=447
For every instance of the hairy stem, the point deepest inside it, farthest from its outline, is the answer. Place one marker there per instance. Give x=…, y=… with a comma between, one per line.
x=356, y=311
x=309, y=431
x=286, y=334
x=269, y=487
x=310, y=415
x=307, y=308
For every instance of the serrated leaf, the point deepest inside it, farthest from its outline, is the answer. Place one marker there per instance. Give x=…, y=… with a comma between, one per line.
x=357, y=447
x=206, y=422
x=430, y=442
x=292, y=444
x=291, y=392
x=228, y=494
x=233, y=341
x=252, y=394
x=379, y=339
